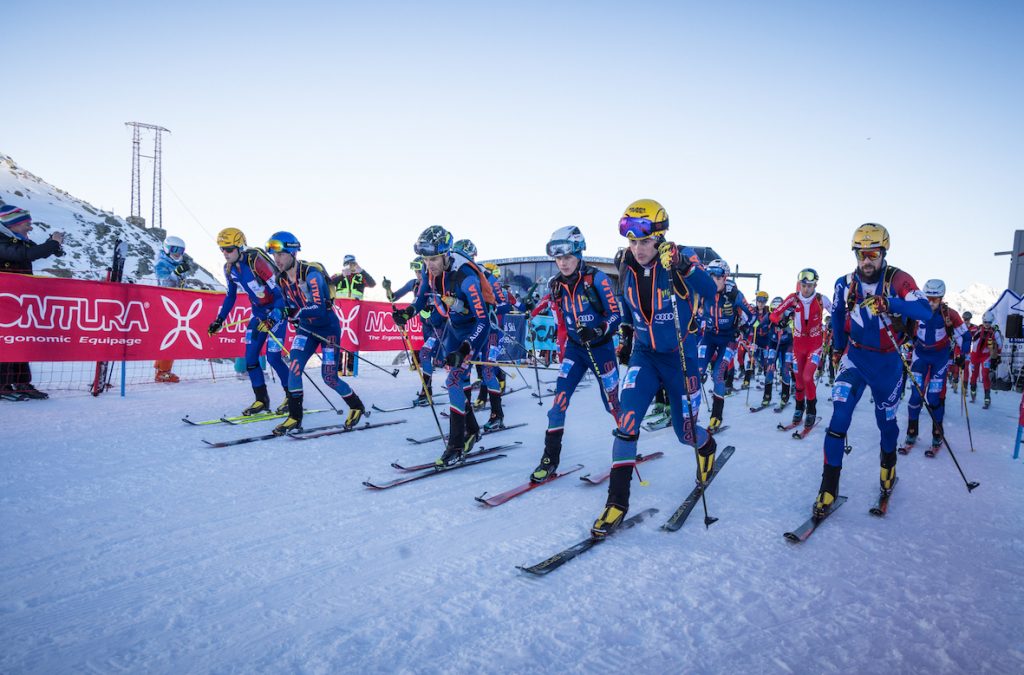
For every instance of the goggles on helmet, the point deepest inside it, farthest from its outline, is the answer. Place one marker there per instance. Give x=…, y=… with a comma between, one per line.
x=416, y=265
x=175, y=250
x=869, y=253
x=278, y=246
x=716, y=271
x=808, y=276
x=638, y=228
x=430, y=249
x=560, y=247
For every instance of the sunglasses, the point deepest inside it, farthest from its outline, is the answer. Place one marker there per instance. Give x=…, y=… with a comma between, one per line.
x=869, y=254
x=228, y=249
x=638, y=228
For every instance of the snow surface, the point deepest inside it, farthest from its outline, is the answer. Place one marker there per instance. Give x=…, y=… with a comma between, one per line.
x=129, y=546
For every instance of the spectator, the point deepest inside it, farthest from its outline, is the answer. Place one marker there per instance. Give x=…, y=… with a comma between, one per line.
x=17, y=252
x=171, y=270
x=350, y=284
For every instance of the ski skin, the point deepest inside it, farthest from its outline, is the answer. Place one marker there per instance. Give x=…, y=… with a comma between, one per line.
x=473, y=453
x=267, y=437
x=562, y=557
x=421, y=441
x=499, y=499
x=428, y=473
x=313, y=433
x=677, y=519
x=881, y=506
x=602, y=477
x=802, y=533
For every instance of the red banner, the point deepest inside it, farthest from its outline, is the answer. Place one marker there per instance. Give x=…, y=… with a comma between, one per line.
x=47, y=319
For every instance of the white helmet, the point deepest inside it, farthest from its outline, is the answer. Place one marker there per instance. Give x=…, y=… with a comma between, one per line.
x=174, y=246
x=988, y=317
x=934, y=288
x=776, y=303
x=718, y=264
x=566, y=240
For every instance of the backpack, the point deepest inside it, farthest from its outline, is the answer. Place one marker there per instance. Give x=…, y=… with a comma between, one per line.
x=853, y=285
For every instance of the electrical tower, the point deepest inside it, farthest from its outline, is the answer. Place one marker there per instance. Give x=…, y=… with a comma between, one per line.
x=156, y=220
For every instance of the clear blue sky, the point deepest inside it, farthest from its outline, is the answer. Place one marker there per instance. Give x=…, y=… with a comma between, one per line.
x=769, y=130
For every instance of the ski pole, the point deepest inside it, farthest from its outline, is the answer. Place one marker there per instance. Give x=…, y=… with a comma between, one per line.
x=419, y=371
x=708, y=520
x=884, y=320
x=967, y=413
x=302, y=372
x=386, y=283
x=392, y=373
x=536, y=357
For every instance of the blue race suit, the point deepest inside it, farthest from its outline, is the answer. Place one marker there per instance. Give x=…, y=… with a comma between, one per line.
x=933, y=347
x=723, y=316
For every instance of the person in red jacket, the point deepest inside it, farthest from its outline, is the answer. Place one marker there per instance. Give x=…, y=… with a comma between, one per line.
x=809, y=309
x=986, y=347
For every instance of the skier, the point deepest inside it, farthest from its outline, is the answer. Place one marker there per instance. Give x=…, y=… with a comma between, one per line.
x=808, y=308
x=171, y=269
x=661, y=283
x=17, y=252
x=933, y=341
x=253, y=272
x=781, y=354
x=985, y=351
x=310, y=308
x=468, y=249
x=431, y=323
x=865, y=307
x=587, y=301
x=761, y=337
x=723, y=315
x=460, y=293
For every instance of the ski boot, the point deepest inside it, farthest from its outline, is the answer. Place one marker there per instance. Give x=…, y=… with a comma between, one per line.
x=706, y=460
x=747, y=375
x=912, y=432
x=165, y=376
x=355, y=412
x=283, y=408
x=937, y=436
x=293, y=422
x=784, y=395
x=828, y=491
x=887, y=475
x=497, y=418
x=549, y=461
x=988, y=399
x=717, y=413
x=261, y=404
x=974, y=392
x=27, y=390
x=730, y=377
x=426, y=393
x=811, y=412
x=798, y=413
x=617, y=506
x=767, y=399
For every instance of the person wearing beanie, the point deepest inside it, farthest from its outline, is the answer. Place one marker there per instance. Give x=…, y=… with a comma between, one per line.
x=350, y=284
x=17, y=252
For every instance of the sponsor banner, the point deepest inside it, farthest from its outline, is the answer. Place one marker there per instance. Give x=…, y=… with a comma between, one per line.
x=47, y=319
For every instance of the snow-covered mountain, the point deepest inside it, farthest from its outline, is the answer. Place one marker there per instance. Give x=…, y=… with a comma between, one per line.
x=91, y=232
x=976, y=298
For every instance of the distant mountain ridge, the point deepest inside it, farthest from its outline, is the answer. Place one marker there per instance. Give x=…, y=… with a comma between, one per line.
x=976, y=298
x=91, y=232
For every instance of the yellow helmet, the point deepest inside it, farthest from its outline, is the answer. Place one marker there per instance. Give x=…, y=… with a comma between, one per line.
x=230, y=236
x=493, y=269
x=870, y=235
x=761, y=295
x=643, y=218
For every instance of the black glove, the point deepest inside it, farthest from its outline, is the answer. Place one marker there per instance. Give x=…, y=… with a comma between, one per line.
x=402, y=316
x=455, y=358
x=215, y=327
x=959, y=361
x=292, y=315
x=588, y=334
x=182, y=269
x=625, y=348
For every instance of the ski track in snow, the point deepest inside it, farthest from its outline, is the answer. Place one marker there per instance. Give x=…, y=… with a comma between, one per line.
x=129, y=546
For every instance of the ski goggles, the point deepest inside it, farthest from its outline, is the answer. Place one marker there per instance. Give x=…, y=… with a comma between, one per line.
x=868, y=253
x=175, y=250
x=808, y=276
x=416, y=265
x=278, y=246
x=559, y=247
x=716, y=271
x=639, y=228
x=429, y=249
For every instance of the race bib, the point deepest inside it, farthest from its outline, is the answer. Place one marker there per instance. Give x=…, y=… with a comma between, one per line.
x=299, y=343
x=566, y=366
x=629, y=381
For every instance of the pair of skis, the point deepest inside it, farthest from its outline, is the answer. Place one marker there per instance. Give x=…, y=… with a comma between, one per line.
x=431, y=439
x=674, y=523
x=799, y=433
x=420, y=471
x=879, y=509
x=246, y=419
x=302, y=434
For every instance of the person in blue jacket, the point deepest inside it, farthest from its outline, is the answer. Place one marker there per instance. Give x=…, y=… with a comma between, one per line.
x=723, y=316
x=934, y=340
x=661, y=285
x=459, y=292
x=592, y=317
x=253, y=272
x=307, y=294
x=868, y=310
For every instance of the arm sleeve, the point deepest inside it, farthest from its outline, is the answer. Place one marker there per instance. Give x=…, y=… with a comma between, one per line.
x=320, y=302
x=776, y=315
x=473, y=296
x=699, y=281
x=610, y=304
x=744, y=306
x=908, y=300
x=826, y=303
x=839, y=336
x=407, y=288
x=23, y=254
x=368, y=281
x=229, y=298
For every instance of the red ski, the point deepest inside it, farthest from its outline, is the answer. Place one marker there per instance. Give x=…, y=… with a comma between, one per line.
x=497, y=500
x=604, y=475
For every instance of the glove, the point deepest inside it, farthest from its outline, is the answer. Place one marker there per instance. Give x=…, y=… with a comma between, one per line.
x=875, y=304
x=266, y=325
x=455, y=358
x=386, y=284
x=994, y=362
x=588, y=334
x=668, y=253
x=836, y=358
x=959, y=361
x=402, y=316
x=292, y=315
x=625, y=348
x=215, y=327
x=182, y=269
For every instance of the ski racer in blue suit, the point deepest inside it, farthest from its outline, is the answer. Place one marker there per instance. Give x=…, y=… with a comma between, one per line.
x=661, y=285
x=310, y=306
x=253, y=272
x=723, y=316
x=934, y=339
x=587, y=301
x=459, y=292
x=868, y=310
